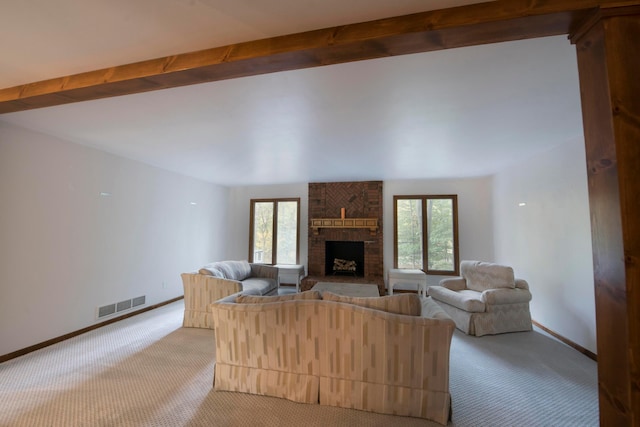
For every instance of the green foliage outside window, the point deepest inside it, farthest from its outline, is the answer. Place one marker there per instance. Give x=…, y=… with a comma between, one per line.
x=440, y=234
x=409, y=220
x=263, y=232
x=287, y=233
x=426, y=222
x=275, y=229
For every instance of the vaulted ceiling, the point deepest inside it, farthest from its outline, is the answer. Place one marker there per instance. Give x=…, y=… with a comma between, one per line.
x=461, y=112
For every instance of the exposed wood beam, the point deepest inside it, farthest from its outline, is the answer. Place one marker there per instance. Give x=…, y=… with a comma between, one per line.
x=482, y=23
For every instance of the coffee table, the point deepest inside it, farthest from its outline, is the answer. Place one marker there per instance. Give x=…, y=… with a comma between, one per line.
x=348, y=289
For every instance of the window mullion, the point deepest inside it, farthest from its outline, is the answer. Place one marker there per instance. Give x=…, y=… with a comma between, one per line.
x=274, y=241
x=425, y=237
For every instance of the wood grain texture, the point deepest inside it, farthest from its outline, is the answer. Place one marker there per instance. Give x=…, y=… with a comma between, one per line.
x=476, y=24
x=609, y=65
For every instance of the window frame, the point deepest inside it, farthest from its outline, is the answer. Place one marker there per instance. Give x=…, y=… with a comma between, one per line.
x=425, y=247
x=274, y=242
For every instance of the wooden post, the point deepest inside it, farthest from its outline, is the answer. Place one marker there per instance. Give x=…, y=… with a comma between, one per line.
x=609, y=68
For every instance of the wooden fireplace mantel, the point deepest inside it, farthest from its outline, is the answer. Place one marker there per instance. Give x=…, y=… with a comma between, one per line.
x=370, y=223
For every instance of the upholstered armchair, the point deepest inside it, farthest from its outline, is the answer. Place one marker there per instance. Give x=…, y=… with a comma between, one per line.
x=486, y=300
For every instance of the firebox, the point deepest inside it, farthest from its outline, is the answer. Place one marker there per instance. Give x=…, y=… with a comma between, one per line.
x=344, y=258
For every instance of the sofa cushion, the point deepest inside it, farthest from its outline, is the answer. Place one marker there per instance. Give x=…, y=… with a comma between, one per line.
x=481, y=276
x=234, y=270
x=408, y=304
x=264, y=286
x=211, y=270
x=251, y=299
x=466, y=300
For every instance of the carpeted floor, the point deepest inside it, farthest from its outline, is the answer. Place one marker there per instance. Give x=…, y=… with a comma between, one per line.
x=149, y=371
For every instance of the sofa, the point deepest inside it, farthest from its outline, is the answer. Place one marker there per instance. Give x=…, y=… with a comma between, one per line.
x=349, y=352
x=486, y=300
x=220, y=279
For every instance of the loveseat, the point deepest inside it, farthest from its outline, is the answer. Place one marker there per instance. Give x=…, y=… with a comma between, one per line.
x=339, y=351
x=220, y=279
x=487, y=299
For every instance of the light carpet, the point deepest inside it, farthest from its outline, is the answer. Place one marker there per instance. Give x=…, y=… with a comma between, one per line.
x=149, y=371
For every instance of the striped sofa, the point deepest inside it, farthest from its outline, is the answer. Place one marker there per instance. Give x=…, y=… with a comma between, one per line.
x=337, y=351
x=220, y=279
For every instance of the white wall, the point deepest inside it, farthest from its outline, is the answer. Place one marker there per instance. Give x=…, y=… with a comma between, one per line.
x=475, y=226
x=548, y=241
x=240, y=208
x=65, y=250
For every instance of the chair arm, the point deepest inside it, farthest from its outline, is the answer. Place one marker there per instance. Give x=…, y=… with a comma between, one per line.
x=264, y=271
x=522, y=284
x=506, y=296
x=454, y=283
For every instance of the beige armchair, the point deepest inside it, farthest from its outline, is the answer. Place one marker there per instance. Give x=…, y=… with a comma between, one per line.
x=486, y=300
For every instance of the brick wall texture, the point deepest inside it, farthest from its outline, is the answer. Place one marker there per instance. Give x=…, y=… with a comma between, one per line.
x=360, y=200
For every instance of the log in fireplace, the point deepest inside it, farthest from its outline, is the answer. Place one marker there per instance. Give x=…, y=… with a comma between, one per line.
x=344, y=258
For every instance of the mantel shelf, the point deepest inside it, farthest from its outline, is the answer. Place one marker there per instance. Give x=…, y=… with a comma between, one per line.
x=370, y=223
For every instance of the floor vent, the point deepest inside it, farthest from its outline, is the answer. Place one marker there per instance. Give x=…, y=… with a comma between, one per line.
x=110, y=309
x=106, y=310
x=139, y=301
x=123, y=305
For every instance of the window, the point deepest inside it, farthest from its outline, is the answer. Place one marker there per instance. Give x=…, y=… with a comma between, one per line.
x=426, y=233
x=274, y=231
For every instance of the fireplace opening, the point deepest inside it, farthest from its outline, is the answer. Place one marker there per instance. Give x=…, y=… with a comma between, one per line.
x=344, y=258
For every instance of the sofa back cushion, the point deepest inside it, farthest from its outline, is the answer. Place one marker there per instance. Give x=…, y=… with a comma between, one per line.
x=408, y=304
x=481, y=276
x=211, y=270
x=256, y=299
x=234, y=270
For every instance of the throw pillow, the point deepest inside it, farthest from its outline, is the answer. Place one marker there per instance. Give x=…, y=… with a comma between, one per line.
x=235, y=270
x=407, y=304
x=211, y=270
x=256, y=299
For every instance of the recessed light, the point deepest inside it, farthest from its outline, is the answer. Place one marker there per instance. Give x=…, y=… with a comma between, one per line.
x=522, y=204
x=105, y=194
x=192, y=203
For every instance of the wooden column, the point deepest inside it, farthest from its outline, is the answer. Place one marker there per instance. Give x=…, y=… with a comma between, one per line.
x=609, y=67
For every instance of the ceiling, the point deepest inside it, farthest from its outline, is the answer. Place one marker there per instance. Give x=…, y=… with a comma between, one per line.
x=455, y=113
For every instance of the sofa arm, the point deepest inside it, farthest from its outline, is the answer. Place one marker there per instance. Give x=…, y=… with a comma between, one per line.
x=264, y=271
x=201, y=290
x=432, y=310
x=506, y=296
x=454, y=283
x=232, y=298
x=522, y=284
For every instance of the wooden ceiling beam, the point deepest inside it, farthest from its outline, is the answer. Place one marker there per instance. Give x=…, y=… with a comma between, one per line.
x=482, y=23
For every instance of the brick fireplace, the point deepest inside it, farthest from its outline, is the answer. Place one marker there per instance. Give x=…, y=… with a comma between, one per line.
x=361, y=201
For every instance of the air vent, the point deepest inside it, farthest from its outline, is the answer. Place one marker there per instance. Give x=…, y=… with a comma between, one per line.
x=106, y=310
x=139, y=301
x=109, y=309
x=123, y=305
